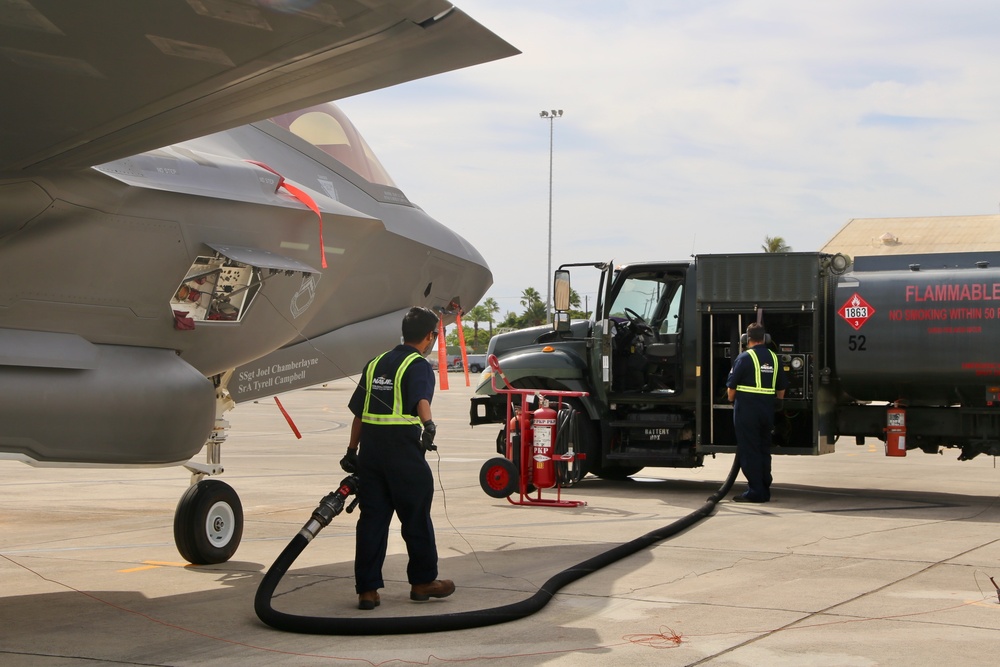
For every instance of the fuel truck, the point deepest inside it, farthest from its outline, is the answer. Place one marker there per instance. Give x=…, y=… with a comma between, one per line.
x=903, y=348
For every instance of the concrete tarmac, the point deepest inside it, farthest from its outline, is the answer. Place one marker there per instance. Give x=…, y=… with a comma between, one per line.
x=859, y=560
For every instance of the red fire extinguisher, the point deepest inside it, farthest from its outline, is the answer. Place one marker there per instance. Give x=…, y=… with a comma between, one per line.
x=895, y=432
x=542, y=447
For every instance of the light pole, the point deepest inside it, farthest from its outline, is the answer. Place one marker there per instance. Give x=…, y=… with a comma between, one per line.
x=550, y=116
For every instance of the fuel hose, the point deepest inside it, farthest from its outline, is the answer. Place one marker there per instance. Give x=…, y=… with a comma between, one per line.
x=335, y=502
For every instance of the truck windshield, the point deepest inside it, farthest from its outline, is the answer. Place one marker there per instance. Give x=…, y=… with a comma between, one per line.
x=653, y=296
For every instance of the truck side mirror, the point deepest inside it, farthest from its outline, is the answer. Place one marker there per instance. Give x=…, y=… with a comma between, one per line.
x=561, y=290
x=560, y=301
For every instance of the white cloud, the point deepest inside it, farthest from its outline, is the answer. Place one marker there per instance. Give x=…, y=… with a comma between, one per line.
x=697, y=126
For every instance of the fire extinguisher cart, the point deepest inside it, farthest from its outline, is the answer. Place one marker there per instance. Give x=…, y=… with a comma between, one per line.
x=531, y=462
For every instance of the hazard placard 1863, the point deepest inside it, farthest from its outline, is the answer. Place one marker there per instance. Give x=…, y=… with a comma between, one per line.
x=856, y=311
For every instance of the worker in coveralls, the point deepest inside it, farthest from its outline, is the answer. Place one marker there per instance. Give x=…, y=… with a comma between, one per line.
x=390, y=405
x=756, y=384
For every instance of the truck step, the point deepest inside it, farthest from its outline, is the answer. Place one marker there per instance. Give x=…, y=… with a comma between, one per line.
x=648, y=423
x=660, y=458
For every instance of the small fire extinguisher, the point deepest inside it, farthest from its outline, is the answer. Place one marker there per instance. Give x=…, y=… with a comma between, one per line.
x=895, y=432
x=542, y=446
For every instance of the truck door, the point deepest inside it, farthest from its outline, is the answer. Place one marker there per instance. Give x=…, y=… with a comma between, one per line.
x=599, y=343
x=646, y=315
x=601, y=352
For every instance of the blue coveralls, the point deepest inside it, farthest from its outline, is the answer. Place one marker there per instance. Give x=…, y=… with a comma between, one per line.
x=394, y=476
x=753, y=415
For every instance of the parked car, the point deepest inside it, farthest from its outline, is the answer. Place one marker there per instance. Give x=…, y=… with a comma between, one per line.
x=454, y=361
x=477, y=363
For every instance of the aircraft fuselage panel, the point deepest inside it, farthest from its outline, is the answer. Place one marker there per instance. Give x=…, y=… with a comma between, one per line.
x=107, y=413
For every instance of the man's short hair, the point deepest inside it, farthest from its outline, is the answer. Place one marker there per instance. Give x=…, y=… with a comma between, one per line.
x=755, y=333
x=417, y=323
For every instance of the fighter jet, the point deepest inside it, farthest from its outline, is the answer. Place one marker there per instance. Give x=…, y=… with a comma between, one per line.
x=186, y=222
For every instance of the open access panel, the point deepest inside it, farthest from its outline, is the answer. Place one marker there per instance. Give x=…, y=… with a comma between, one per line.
x=785, y=292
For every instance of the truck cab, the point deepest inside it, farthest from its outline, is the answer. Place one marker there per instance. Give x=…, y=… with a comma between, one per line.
x=632, y=357
x=643, y=370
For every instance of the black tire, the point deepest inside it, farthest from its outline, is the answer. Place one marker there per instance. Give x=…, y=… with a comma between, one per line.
x=502, y=442
x=589, y=436
x=569, y=420
x=475, y=368
x=499, y=477
x=208, y=523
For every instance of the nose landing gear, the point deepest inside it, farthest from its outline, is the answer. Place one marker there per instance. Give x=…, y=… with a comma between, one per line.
x=208, y=523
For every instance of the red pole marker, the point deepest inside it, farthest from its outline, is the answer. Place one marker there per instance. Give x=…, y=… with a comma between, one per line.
x=461, y=346
x=442, y=357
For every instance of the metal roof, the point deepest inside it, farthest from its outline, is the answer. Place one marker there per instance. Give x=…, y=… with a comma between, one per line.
x=897, y=236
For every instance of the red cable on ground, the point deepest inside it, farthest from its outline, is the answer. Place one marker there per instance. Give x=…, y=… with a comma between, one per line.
x=659, y=639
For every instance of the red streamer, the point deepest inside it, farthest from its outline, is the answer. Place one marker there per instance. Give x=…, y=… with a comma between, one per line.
x=303, y=197
x=288, y=418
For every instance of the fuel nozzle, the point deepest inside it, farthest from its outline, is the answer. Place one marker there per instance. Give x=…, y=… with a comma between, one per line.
x=330, y=506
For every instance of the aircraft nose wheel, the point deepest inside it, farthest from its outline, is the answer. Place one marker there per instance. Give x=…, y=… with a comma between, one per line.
x=220, y=524
x=208, y=523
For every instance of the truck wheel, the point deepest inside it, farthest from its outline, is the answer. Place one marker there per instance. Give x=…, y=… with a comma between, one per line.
x=589, y=439
x=475, y=368
x=498, y=477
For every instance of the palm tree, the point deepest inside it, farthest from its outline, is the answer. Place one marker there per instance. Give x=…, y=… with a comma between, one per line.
x=535, y=314
x=529, y=297
x=574, y=306
x=491, y=307
x=775, y=244
x=478, y=314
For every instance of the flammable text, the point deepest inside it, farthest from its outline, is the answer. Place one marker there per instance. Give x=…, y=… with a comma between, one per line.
x=957, y=292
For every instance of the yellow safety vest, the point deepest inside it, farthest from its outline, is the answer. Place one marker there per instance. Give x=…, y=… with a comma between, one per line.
x=759, y=388
x=396, y=417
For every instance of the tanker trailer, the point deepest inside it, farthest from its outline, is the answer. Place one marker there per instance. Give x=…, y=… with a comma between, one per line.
x=916, y=357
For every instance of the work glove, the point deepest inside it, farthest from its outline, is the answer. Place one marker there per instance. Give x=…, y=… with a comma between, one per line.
x=350, y=461
x=427, y=437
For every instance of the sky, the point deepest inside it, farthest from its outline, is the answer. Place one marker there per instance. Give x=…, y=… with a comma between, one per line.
x=696, y=126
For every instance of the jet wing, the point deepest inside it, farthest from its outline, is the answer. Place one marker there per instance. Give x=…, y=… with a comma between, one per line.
x=87, y=83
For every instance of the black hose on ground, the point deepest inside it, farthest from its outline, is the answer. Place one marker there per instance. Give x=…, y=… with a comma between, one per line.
x=321, y=625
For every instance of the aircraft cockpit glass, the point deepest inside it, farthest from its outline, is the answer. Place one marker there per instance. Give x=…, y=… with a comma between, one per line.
x=327, y=128
x=215, y=289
